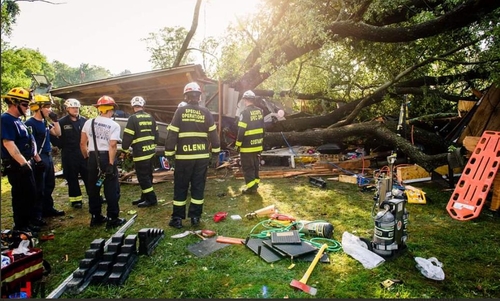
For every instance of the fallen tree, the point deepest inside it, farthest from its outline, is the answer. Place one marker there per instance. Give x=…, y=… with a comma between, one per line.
x=373, y=129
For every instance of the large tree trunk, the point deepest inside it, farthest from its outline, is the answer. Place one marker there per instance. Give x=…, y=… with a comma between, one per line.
x=373, y=129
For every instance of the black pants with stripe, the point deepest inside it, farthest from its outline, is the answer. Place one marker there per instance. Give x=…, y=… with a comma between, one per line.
x=189, y=175
x=74, y=166
x=250, y=164
x=144, y=172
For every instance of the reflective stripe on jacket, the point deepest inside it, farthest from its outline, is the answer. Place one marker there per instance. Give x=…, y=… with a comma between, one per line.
x=250, y=130
x=192, y=134
x=141, y=132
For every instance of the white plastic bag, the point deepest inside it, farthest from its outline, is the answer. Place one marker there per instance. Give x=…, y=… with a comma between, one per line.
x=430, y=268
x=354, y=247
x=23, y=248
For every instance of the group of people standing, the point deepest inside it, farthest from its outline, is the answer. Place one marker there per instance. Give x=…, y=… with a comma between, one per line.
x=89, y=149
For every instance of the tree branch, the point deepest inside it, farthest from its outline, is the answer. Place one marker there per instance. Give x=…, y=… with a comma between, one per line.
x=187, y=40
x=386, y=85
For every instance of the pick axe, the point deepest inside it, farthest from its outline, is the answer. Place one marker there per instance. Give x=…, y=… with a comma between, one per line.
x=301, y=284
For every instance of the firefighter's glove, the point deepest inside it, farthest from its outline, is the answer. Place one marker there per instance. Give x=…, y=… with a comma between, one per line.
x=53, y=116
x=110, y=171
x=40, y=166
x=26, y=167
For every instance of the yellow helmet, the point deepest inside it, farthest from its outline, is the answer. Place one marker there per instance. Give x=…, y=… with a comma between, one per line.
x=38, y=101
x=17, y=95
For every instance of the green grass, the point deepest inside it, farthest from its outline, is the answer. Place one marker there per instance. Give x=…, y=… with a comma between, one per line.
x=469, y=250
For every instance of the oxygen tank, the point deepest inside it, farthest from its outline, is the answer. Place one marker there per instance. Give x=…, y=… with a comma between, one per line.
x=316, y=228
x=383, y=235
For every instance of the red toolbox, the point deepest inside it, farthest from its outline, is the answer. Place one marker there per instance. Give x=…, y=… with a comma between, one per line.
x=24, y=269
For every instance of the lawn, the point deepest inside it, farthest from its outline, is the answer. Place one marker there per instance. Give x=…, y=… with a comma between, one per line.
x=468, y=250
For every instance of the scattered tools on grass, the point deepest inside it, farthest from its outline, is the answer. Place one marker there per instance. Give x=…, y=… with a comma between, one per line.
x=219, y=216
x=208, y=233
x=197, y=233
x=181, y=235
x=301, y=284
x=387, y=284
x=280, y=220
x=282, y=217
x=266, y=211
x=46, y=237
x=203, y=234
x=317, y=182
x=230, y=240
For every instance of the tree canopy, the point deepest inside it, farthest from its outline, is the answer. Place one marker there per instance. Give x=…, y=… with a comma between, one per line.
x=369, y=52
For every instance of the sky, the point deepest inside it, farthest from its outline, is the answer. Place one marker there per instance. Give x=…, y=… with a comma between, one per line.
x=108, y=33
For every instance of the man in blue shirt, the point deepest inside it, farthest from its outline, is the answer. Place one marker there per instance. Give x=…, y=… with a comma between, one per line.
x=45, y=178
x=18, y=148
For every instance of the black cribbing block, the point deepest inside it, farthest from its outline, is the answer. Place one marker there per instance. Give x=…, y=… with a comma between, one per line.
x=131, y=243
x=98, y=243
x=104, y=266
x=114, y=247
x=93, y=253
x=119, y=267
x=143, y=249
x=143, y=233
x=118, y=237
x=99, y=277
x=114, y=278
x=87, y=263
x=130, y=239
x=80, y=273
x=109, y=256
x=123, y=257
x=118, y=278
x=75, y=282
x=128, y=249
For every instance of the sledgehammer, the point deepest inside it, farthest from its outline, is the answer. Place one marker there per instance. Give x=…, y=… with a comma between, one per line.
x=301, y=284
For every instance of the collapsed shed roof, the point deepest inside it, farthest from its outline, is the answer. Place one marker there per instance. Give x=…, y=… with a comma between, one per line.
x=162, y=89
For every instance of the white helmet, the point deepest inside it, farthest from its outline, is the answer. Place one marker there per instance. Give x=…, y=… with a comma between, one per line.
x=248, y=95
x=192, y=87
x=137, y=101
x=72, y=103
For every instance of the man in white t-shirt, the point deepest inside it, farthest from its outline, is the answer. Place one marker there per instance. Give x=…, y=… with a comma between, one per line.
x=98, y=143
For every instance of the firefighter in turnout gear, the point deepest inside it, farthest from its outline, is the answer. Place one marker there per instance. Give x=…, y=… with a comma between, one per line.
x=191, y=136
x=141, y=132
x=73, y=163
x=249, y=142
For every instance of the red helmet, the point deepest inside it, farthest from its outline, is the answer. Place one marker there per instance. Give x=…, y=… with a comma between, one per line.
x=105, y=100
x=106, y=103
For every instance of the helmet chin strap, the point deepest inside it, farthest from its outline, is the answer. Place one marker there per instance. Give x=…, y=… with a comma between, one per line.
x=18, y=106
